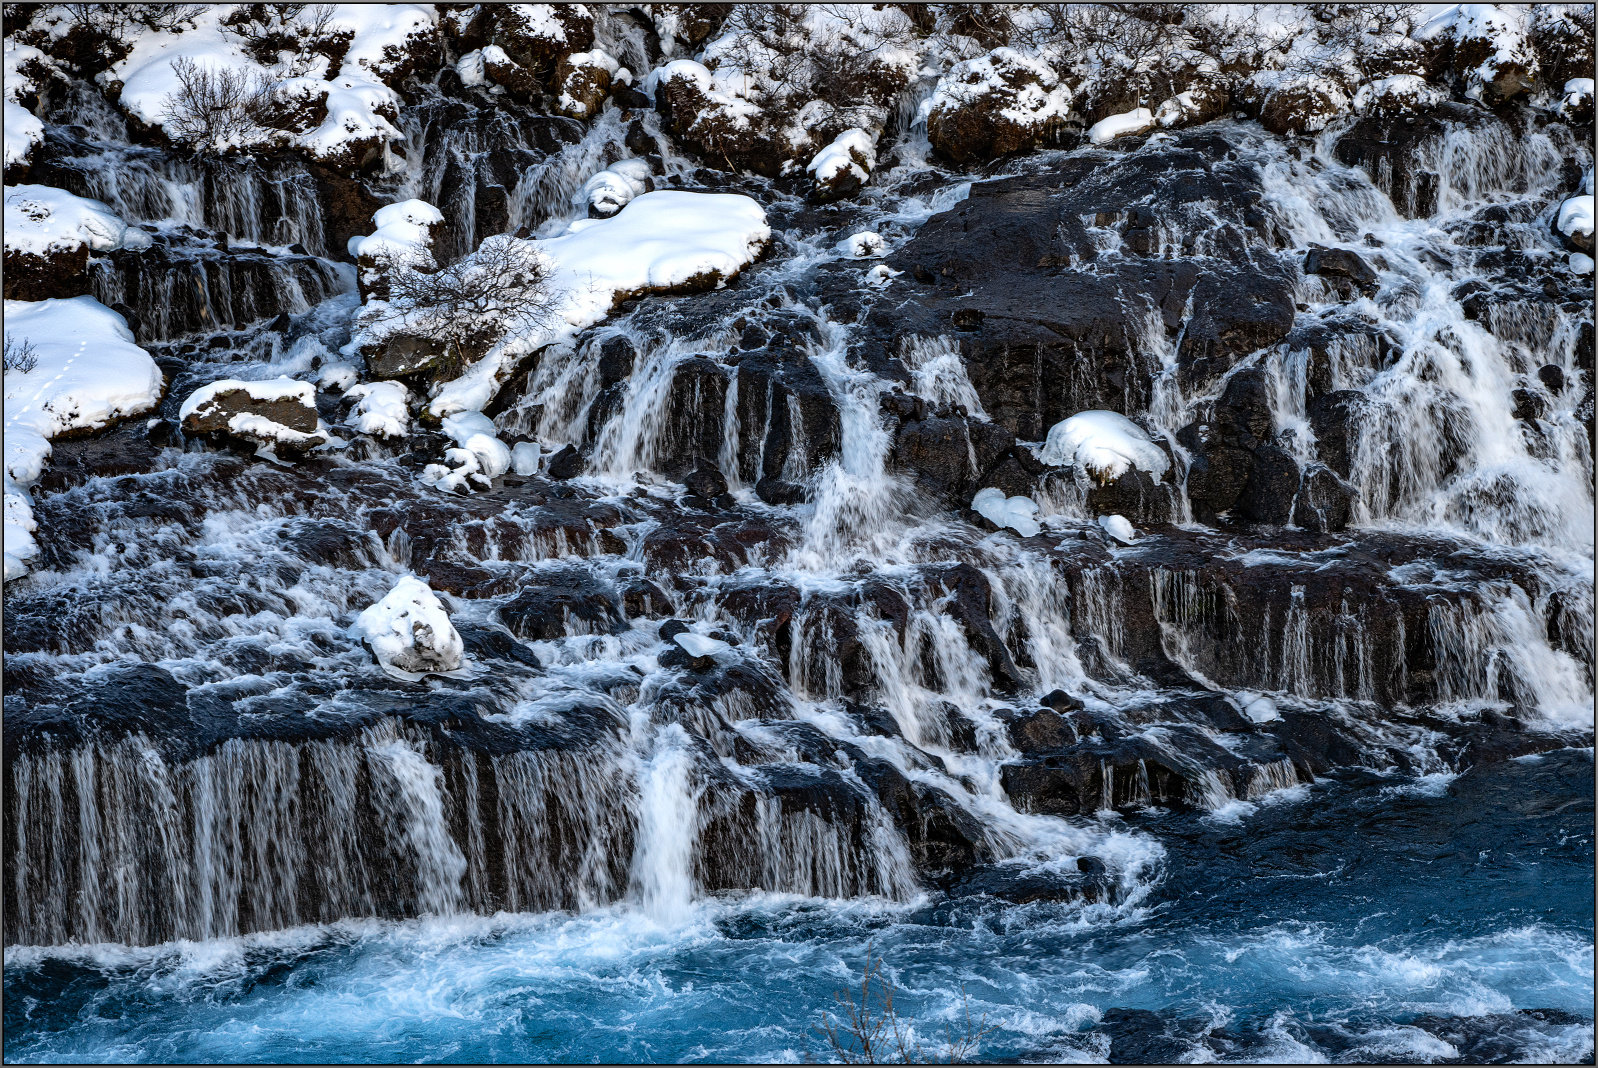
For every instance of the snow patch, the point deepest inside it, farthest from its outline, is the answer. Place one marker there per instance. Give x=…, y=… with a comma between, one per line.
x=660, y=240
x=41, y=220
x=843, y=155
x=1130, y=122
x=88, y=373
x=614, y=187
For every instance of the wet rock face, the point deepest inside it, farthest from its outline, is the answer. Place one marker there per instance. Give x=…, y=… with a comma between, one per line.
x=60, y=273
x=1047, y=331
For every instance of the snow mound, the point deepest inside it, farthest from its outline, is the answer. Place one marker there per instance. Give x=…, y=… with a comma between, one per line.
x=380, y=409
x=41, y=220
x=476, y=433
x=23, y=130
x=338, y=375
x=1106, y=444
x=402, y=230
x=614, y=187
x=665, y=240
x=1575, y=216
x=1119, y=528
x=1123, y=125
x=88, y=373
x=410, y=633
x=1580, y=263
x=1013, y=512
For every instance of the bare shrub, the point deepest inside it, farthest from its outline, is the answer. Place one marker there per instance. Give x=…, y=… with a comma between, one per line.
x=214, y=110
x=473, y=301
x=20, y=355
x=267, y=30
x=114, y=20
x=861, y=1034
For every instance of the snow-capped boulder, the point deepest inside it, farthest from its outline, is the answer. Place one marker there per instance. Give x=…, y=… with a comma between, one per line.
x=87, y=374
x=49, y=234
x=1104, y=444
x=1203, y=101
x=1132, y=122
x=611, y=189
x=406, y=233
x=718, y=122
x=409, y=632
x=1400, y=94
x=995, y=105
x=278, y=417
x=840, y=169
x=1119, y=528
x=582, y=82
x=865, y=244
x=1576, y=105
x=1297, y=104
x=476, y=433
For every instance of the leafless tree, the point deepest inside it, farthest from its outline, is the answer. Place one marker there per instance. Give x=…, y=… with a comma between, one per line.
x=861, y=1034
x=20, y=355
x=472, y=301
x=213, y=110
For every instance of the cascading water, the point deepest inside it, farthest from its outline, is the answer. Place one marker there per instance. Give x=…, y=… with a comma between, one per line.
x=756, y=692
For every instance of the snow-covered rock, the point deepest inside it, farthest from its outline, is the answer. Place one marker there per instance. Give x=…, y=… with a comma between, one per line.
x=1575, y=107
x=994, y=105
x=865, y=244
x=337, y=375
x=1579, y=263
x=1132, y=122
x=840, y=169
x=1575, y=222
x=1105, y=444
x=23, y=130
x=1400, y=94
x=380, y=409
x=611, y=189
x=49, y=234
x=1491, y=49
x=278, y=416
x=1201, y=102
x=88, y=373
x=665, y=241
x=1298, y=103
x=1014, y=512
x=409, y=632
x=1119, y=528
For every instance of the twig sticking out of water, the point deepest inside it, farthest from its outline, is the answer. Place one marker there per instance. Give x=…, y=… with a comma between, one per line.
x=861, y=1034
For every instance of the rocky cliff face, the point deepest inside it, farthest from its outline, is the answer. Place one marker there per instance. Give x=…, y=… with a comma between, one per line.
x=701, y=514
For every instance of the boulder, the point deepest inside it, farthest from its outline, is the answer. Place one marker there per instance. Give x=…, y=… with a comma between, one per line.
x=278, y=417
x=409, y=632
x=1340, y=263
x=995, y=105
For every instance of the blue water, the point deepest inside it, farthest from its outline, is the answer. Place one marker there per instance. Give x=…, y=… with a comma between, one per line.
x=1366, y=918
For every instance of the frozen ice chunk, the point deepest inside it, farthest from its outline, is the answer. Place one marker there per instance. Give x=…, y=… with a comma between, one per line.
x=699, y=645
x=1014, y=512
x=524, y=458
x=1257, y=707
